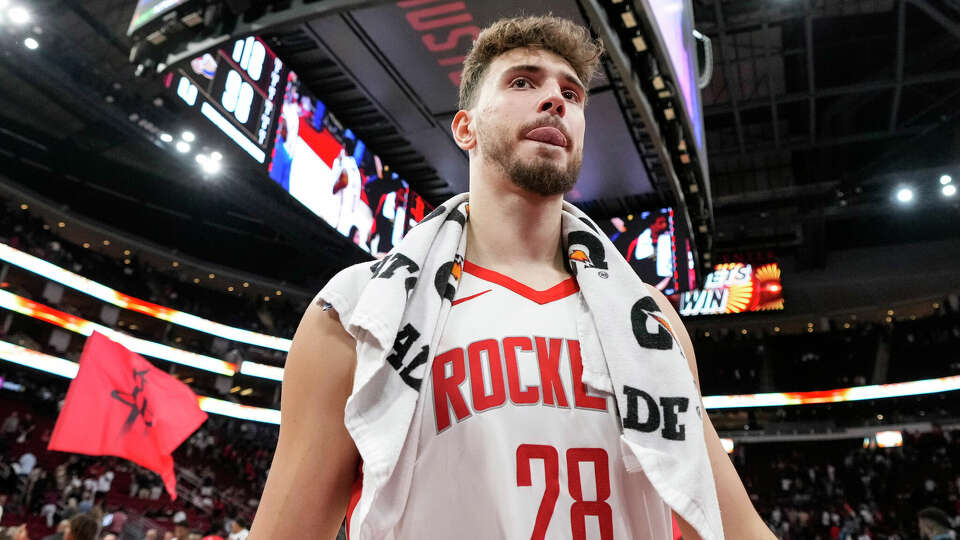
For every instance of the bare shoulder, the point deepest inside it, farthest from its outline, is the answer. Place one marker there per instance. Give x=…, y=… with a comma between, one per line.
x=316, y=460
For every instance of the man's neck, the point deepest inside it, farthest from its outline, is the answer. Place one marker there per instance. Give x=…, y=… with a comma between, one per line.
x=514, y=231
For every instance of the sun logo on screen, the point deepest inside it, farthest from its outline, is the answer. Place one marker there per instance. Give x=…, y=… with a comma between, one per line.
x=739, y=297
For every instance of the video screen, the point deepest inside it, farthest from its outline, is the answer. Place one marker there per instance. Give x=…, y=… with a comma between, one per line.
x=148, y=10
x=324, y=166
x=648, y=242
x=735, y=287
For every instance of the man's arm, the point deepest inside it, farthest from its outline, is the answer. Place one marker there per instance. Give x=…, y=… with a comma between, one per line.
x=740, y=519
x=315, y=463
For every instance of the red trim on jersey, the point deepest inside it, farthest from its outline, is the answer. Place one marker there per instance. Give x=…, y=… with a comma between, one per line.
x=558, y=292
x=355, y=495
x=472, y=296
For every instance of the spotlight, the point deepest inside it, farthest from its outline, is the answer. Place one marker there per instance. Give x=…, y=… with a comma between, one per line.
x=31, y=43
x=188, y=136
x=905, y=195
x=945, y=179
x=183, y=147
x=166, y=137
x=949, y=190
x=208, y=164
x=216, y=155
x=19, y=15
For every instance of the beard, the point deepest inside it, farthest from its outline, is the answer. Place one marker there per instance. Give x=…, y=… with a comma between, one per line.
x=540, y=175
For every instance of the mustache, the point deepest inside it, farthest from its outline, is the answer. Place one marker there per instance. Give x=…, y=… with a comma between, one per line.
x=549, y=121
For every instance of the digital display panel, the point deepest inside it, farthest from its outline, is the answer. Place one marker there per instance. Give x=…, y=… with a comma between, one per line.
x=329, y=170
x=148, y=10
x=238, y=89
x=735, y=288
x=648, y=242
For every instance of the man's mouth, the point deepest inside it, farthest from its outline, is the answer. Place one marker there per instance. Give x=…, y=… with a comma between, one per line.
x=549, y=135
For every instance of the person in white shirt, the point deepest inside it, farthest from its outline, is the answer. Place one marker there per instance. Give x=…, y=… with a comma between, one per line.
x=238, y=530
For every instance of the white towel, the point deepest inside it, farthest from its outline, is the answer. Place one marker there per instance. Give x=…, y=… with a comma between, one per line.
x=395, y=308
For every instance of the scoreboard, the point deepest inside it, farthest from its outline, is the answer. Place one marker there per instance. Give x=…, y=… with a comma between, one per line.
x=238, y=89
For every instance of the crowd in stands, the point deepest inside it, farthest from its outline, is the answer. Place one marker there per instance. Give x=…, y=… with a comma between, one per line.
x=221, y=470
x=848, y=490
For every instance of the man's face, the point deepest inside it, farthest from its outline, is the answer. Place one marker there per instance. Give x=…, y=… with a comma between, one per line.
x=530, y=120
x=659, y=225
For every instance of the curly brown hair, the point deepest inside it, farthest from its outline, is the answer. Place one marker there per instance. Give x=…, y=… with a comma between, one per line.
x=563, y=37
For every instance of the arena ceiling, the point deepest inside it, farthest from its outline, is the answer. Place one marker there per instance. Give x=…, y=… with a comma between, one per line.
x=815, y=111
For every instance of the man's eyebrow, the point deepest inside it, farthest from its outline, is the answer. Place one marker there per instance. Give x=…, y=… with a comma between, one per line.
x=530, y=68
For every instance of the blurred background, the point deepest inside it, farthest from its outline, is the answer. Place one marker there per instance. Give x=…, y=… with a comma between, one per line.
x=184, y=176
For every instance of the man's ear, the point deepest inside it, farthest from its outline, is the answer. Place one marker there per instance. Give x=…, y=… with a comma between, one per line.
x=464, y=130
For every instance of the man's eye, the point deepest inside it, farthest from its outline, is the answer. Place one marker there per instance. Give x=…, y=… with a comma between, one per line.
x=570, y=94
x=520, y=83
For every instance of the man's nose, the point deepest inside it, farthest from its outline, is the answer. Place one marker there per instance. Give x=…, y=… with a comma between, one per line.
x=553, y=102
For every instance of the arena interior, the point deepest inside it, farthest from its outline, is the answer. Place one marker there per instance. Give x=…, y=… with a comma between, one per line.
x=183, y=176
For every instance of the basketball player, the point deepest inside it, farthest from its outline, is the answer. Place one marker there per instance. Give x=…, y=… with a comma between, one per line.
x=504, y=472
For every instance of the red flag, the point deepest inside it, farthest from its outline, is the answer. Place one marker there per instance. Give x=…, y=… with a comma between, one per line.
x=120, y=405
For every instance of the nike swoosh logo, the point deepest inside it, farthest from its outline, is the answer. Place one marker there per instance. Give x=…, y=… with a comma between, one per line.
x=455, y=302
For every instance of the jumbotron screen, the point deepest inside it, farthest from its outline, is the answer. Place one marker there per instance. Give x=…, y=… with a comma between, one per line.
x=735, y=287
x=647, y=241
x=329, y=170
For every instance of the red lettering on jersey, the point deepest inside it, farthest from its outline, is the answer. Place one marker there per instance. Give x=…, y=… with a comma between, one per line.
x=580, y=397
x=510, y=347
x=481, y=401
x=448, y=389
x=550, y=382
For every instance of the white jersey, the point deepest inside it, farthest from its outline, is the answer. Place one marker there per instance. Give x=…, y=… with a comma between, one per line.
x=512, y=445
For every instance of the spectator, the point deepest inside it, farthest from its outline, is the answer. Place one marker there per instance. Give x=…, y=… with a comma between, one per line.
x=83, y=527
x=10, y=425
x=238, y=530
x=934, y=524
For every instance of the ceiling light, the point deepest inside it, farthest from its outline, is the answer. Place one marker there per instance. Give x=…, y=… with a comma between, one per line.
x=106, y=242
x=246, y=391
x=19, y=15
x=246, y=284
x=216, y=155
x=24, y=206
x=196, y=280
x=266, y=298
x=166, y=137
x=230, y=288
x=126, y=252
x=31, y=43
x=949, y=190
x=945, y=179
x=175, y=264
x=61, y=224
x=86, y=245
x=211, y=276
x=905, y=195
x=776, y=329
x=188, y=136
x=183, y=147
x=126, y=261
x=279, y=293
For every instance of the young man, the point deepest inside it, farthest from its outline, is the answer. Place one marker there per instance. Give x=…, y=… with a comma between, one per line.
x=546, y=463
